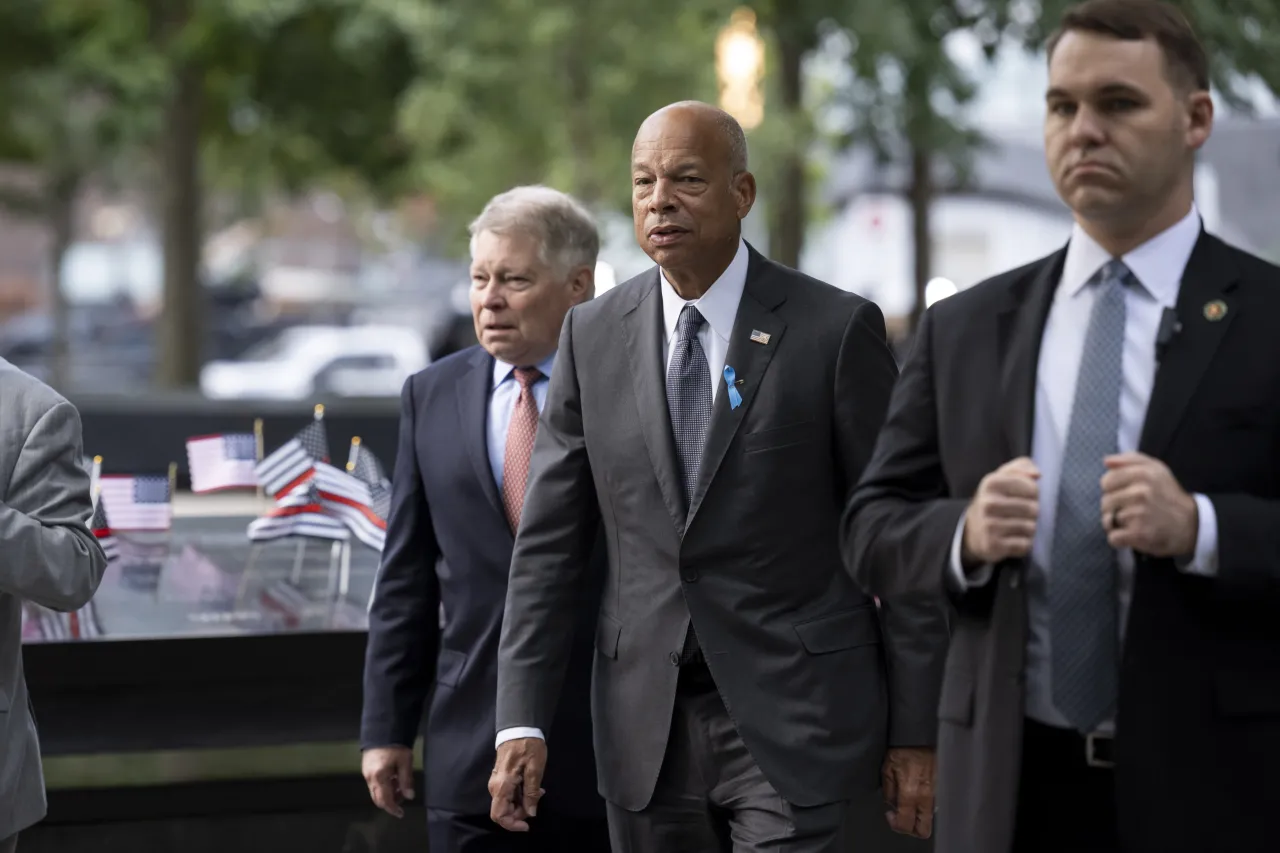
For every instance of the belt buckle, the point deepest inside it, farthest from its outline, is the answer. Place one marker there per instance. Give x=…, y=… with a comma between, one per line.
x=1091, y=758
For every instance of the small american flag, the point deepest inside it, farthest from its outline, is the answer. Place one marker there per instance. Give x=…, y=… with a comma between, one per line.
x=51, y=625
x=298, y=513
x=349, y=498
x=137, y=502
x=759, y=337
x=290, y=465
x=369, y=471
x=101, y=529
x=224, y=461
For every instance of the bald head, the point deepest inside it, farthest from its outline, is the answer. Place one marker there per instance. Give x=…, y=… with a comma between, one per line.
x=698, y=119
x=690, y=190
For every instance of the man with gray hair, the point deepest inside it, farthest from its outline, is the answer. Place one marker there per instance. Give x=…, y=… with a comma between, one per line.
x=466, y=434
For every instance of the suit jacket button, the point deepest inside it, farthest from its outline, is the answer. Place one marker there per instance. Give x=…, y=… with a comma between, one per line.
x=674, y=657
x=689, y=574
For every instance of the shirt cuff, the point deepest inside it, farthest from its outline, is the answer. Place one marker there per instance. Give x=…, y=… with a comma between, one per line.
x=966, y=580
x=517, y=733
x=1205, y=560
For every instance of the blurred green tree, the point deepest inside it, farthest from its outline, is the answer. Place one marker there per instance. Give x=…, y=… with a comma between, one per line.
x=71, y=108
x=263, y=97
x=552, y=91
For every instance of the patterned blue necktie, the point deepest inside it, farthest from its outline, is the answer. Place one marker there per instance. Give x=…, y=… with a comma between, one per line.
x=689, y=397
x=1083, y=606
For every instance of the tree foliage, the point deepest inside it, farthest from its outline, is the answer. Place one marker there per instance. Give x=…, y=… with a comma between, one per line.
x=552, y=91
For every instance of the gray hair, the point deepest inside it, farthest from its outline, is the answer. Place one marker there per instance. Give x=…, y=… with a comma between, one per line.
x=564, y=229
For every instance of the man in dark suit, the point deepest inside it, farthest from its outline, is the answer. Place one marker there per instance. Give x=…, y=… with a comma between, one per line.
x=716, y=412
x=1084, y=451
x=466, y=433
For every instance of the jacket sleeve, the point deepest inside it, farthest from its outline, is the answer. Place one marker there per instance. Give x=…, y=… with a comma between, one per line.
x=900, y=523
x=915, y=629
x=47, y=552
x=558, y=528
x=404, y=620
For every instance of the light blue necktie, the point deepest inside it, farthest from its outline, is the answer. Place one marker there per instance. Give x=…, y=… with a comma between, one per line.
x=1083, y=606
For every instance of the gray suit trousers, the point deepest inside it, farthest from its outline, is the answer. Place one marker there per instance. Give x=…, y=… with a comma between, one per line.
x=711, y=796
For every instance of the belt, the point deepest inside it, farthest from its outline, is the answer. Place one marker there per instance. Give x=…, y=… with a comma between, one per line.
x=1097, y=748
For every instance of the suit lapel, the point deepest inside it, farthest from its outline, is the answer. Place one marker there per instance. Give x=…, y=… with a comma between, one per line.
x=642, y=328
x=1209, y=279
x=1019, y=329
x=749, y=360
x=473, y=410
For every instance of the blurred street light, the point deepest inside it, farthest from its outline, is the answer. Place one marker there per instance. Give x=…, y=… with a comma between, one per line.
x=740, y=67
x=938, y=288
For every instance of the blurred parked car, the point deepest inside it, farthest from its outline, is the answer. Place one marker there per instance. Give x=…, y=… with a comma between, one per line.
x=316, y=361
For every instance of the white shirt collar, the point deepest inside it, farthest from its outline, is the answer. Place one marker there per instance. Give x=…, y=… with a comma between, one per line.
x=718, y=306
x=502, y=371
x=1158, y=263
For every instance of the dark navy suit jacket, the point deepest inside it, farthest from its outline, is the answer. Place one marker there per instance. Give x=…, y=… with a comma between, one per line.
x=448, y=543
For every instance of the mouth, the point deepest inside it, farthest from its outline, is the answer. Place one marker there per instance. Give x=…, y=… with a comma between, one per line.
x=1090, y=167
x=666, y=235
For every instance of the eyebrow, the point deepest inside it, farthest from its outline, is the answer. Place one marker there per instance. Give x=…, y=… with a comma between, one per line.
x=1108, y=89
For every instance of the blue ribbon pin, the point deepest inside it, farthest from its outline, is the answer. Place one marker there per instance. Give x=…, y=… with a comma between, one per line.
x=735, y=399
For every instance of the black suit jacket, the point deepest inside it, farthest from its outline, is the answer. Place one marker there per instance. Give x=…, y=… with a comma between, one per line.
x=815, y=679
x=448, y=542
x=1199, y=709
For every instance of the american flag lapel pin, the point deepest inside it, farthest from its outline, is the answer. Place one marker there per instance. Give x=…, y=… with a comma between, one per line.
x=759, y=337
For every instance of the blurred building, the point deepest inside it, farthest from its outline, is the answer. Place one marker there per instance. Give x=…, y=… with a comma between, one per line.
x=1006, y=213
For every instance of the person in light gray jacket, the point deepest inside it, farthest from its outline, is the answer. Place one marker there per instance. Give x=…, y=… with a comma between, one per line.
x=47, y=555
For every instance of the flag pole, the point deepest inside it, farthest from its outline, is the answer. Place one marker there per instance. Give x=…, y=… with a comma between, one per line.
x=258, y=446
x=95, y=480
x=173, y=490
x=355, y=452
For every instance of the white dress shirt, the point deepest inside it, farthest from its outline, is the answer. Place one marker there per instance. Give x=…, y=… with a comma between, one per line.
x=502, y=402
x=1158, y=266
x=719, y=307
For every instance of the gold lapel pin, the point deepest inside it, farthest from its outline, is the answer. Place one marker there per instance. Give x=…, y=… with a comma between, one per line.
x=759, y=337
x=1215, y=310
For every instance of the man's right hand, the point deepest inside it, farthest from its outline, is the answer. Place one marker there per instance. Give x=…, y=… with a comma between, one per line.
x=388, y=771
x=516, y=782
x=1000, y=522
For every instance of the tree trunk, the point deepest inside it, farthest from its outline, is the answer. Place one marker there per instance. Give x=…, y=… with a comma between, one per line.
x=788, y=209
x=578, y=122
x=921, y=198
x=60, y=198
x=181, y=333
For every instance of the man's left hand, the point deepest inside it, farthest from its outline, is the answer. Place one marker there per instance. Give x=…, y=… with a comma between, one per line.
x=1145, y=509
x=908, y=790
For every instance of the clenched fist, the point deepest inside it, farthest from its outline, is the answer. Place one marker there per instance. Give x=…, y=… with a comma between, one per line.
x=1001, y=519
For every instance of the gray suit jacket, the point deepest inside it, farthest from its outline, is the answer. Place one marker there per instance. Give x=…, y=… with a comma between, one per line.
x=817, y=679
x=47, y=555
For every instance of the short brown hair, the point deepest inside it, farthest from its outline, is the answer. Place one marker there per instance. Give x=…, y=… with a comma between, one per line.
x=1136, y=20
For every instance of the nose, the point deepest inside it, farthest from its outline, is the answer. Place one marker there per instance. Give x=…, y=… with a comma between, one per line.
x=662, y=200
x=1087, y=128
x=491, y=297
